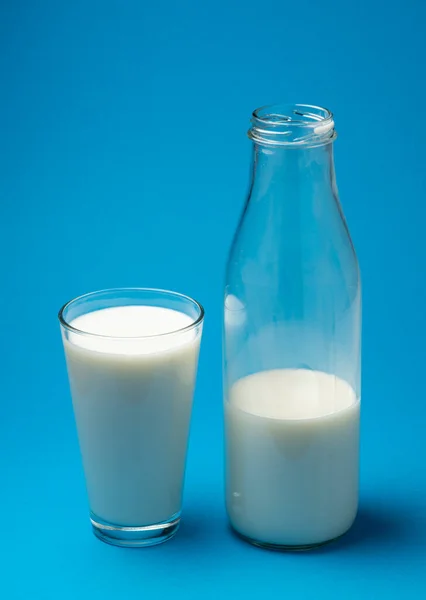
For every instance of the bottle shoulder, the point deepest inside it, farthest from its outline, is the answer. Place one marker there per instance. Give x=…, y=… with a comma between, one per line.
x=278, y=250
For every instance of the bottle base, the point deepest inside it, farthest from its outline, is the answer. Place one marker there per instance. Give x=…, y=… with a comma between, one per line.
x=285, y=547
x=134, y=537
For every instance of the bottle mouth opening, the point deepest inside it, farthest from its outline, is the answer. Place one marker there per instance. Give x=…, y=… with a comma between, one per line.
x=292, y=125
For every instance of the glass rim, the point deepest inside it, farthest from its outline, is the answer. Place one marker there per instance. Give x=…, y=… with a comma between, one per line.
x=292, y=125
x=320, y=114
x=159, y=291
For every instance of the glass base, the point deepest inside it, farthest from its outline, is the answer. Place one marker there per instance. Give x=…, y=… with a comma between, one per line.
x=134, y=537
x=283, y=547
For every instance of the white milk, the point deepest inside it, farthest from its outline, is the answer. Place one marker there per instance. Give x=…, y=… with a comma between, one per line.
x=292, y=441
x=132, y=401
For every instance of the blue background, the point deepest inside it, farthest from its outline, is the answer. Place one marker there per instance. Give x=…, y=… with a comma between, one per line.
x=124, y=162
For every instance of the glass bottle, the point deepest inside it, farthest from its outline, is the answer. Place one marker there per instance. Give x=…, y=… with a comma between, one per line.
x=292, y=328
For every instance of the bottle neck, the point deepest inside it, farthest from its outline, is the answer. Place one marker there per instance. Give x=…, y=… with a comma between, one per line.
x=293, y=155
x=302, y=175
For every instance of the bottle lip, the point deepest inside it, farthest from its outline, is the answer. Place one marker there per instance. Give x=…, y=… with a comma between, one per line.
x=292, y=125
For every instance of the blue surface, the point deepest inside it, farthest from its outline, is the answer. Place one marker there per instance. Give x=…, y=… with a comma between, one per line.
x=124, y=161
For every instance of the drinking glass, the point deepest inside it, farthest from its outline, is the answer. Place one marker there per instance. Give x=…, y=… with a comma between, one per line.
x=132, y=359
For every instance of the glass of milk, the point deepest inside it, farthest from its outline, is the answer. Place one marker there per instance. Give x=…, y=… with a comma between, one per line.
x=132, y=359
